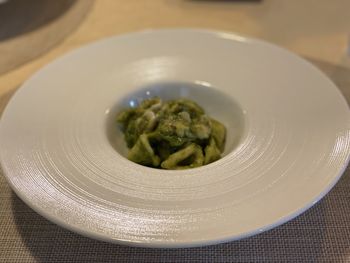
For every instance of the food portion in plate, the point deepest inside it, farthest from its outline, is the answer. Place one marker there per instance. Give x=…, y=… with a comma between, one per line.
x=175, y=134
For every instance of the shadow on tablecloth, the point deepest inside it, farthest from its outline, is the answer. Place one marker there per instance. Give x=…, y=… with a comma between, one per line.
x=322, y=234
x=5, y=98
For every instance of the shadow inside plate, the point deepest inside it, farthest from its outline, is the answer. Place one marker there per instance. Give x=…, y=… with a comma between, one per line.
x=18, y=17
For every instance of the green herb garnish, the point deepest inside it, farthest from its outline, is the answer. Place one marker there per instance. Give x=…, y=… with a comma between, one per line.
x=175, y=134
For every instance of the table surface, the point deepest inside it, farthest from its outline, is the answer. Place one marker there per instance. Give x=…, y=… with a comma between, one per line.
x=317, y=30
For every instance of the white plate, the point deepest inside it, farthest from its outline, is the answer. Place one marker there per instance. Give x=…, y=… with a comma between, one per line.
x=288, y=140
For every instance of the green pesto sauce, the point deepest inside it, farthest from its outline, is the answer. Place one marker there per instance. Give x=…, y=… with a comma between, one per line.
x=175, y=134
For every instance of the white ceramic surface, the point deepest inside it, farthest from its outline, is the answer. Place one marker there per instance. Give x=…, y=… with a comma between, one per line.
x=288, y=139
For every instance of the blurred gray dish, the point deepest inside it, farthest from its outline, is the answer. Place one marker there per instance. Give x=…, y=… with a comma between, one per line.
x=26, y=27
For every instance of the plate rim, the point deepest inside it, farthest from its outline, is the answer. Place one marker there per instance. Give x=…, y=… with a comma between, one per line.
x=173, y=244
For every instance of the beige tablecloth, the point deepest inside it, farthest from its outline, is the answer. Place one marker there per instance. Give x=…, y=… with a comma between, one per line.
x=317, y=30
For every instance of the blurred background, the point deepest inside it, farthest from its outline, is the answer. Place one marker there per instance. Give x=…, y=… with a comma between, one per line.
x=33, y=33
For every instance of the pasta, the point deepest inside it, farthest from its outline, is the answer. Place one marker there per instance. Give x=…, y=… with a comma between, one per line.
x=175, y=134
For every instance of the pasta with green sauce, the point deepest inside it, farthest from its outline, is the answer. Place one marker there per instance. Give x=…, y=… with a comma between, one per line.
x=175, y=134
